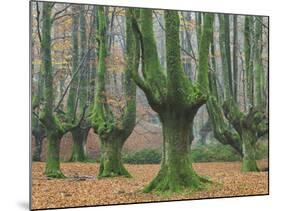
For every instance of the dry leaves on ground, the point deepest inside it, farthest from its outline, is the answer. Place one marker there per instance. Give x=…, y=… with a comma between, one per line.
x=82, y=188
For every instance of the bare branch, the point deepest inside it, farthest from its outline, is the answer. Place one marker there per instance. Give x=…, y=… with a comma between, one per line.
x=38, y=21
x=261, y=22
x=59, y=12
x=73, y=76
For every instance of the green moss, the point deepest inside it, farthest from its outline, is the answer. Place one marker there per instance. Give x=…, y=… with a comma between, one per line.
x=248, y=60
x=52, y=168
x=249, y=151
x=174, y=98
x=249, y=165
x=205, y=41
x=176, y=173
x=114, y=131
x=111, y=163
x=71, y=100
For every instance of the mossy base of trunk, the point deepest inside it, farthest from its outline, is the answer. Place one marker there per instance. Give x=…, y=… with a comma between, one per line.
x=111, y=163
x=111, y=169
x=249, y=166
x=249, y=163
x=54, y=173
x=176, y=173
x=169, y=181
x=52, y=168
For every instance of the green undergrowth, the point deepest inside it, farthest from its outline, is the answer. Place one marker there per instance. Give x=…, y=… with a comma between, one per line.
x=212, y=152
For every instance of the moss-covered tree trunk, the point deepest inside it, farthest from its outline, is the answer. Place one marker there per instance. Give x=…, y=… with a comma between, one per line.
x=249, y=151
x=52, y=168
x=51, y=123
x=247, y=133
x=111, y=159
x=246, y=126
x=173, y=96
x=176, y=171
x=111, y=164
x=79, y=138
x=55, y=127
x=78, y=88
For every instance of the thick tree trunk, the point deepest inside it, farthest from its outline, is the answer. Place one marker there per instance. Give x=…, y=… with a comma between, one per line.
x=38, y=148
x=176, y=171
x=53, y=156
x=111, y=159
x=79, y=137
x=249, y=151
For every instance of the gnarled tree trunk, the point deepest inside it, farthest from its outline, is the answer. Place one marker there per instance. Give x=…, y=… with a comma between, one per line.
x=111, y=159
x=173, y=96
x=176, y=171
x=113, y=131
x=52, y=168
x=249, y=151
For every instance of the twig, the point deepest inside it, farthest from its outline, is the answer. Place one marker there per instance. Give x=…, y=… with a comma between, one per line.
x=59, y=12
x=38, y=21
x=73, y=76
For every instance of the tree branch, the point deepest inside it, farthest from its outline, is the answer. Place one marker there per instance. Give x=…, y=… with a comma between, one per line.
x=73, y=76
x=38, y=22
x=59, y=12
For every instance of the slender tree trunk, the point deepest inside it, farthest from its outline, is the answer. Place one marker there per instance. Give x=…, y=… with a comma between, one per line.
x=176, y=171
x=111, y=160
x=79, y=137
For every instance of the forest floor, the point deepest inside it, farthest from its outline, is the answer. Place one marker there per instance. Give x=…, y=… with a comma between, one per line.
x=82, y=188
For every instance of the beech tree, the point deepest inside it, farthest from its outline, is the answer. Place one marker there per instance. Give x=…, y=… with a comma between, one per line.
x=113, y=131
x=173, y=96
x=245, y=126
x=77, y=98
x=54, y=121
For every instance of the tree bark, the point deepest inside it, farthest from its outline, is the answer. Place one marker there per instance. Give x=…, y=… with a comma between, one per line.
x=52, y=168
x=176, y=171
x=113, y=131
x=249, y=151
x=174, y=97
x=79, y=137
x=111, y=160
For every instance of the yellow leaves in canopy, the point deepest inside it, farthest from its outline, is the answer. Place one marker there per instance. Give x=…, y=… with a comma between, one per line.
x=60, y=46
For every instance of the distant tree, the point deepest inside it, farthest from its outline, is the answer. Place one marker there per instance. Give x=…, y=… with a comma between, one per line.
x=204, y=131
x=172, y=95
